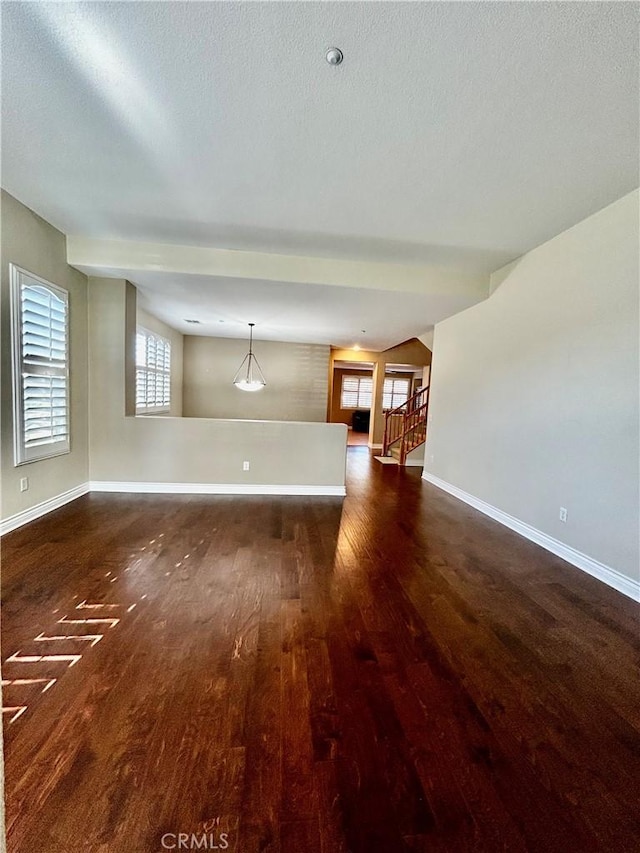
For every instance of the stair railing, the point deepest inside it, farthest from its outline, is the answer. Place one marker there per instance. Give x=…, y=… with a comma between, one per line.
x=401, y=424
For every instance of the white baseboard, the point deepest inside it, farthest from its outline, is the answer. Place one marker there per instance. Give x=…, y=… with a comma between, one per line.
x=27, y=515
x=214, y=489
x=606, y=574
x=414, y=463
x=375, y=447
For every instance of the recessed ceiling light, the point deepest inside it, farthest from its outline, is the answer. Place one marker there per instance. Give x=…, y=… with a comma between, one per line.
x=356, y=347
x=195, y=322
x=334, y=56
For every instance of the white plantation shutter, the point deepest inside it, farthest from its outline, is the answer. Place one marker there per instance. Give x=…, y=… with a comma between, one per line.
x=41, y=367
x=153, y=373
x=395, y=392
x=357, y=392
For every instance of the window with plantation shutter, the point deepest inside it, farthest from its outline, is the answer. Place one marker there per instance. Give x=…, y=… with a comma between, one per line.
x=153, y=373
x=395, y=393
x=356, y=392
x=40, y=313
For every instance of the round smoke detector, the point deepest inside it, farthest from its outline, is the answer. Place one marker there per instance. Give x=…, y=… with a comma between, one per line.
x=334, y=56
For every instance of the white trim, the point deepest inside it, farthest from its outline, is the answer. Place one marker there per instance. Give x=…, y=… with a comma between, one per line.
x=375, y=447
x=414, y=463
x=214, y=488
x=27, y=515
x=612, y=577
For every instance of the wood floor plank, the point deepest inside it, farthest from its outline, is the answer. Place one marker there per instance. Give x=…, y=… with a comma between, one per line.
x=299, y=793
x=259, y=831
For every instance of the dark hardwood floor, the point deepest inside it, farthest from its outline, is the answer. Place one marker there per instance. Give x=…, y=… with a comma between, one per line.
x=392, y=672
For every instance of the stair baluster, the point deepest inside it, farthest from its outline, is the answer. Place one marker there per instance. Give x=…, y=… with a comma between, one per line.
x=405, y=427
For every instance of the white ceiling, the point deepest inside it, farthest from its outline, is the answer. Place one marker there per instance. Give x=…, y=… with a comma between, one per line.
x=340, y=316
x=457, y=135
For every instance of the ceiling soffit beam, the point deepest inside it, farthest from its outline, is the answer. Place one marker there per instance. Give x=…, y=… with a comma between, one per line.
x=96, y=256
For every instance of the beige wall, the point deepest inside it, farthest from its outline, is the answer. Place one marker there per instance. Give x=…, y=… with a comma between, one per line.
x=535, y=391
x=191, y=450
x=204, y=452
x=31, y=243
x=152, y=324
x=296, y=376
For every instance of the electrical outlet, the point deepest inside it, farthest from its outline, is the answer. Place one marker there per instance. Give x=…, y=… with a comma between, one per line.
x=245, y=466
x=24, y=484
x=563, y=513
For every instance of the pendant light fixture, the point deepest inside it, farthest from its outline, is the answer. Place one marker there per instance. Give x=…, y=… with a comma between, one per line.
x=249, y=376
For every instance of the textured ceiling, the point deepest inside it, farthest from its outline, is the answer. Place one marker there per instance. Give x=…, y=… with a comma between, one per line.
x=453, y=134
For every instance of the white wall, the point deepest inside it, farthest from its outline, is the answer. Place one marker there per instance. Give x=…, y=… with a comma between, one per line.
x=297, y=378
x=152, y=324
x=534, y=400
x=31, y=243
x=143, y=450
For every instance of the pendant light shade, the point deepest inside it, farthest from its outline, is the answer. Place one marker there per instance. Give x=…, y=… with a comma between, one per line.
x=249, y=376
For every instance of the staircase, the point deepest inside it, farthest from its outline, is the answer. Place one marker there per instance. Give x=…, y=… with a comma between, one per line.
x=405, y=428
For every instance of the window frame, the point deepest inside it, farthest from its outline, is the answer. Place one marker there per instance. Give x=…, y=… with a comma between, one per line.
x=22, y=454
x=360, y=378
x=164, y=409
